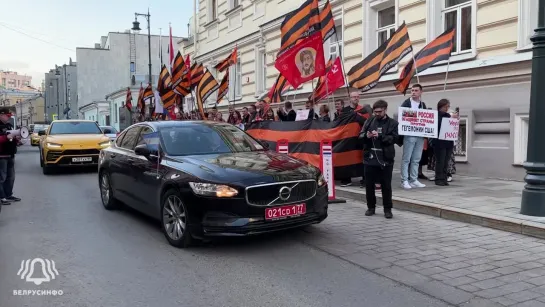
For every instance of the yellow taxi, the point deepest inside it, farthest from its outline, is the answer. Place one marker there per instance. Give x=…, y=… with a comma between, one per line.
x=34, y=137
x=71, y=143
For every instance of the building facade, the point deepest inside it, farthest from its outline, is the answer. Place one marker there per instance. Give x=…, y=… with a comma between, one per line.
x=13, y=80
x=30, y=111
x=488, y=73
x=61, y=94
x=118, y=61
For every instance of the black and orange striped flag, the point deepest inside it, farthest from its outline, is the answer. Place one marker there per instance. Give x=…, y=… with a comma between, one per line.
x=437, y=50
x=327, y=22
x=165, y=88
x=299, y=23
x=147, y=94
x=224, y=87
x=366, y=74
x=178, y=67
x=231, y=59
x=197, y=71
x=205, y=88
x=140, y=102
x=276, y=91
x=128, y=99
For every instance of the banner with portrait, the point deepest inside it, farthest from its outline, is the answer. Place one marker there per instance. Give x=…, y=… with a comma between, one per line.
x=421, y=122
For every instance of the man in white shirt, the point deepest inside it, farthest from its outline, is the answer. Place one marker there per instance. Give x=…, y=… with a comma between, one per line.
x=412, y=145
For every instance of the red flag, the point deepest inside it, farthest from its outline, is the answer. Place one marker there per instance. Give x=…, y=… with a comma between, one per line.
x=334, y=80
x=304, y=62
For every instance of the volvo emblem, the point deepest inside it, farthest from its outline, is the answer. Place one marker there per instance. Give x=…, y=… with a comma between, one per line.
x=284, y=193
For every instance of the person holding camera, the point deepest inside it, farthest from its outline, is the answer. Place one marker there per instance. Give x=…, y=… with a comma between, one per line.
x=379, y=134
x=8, y=149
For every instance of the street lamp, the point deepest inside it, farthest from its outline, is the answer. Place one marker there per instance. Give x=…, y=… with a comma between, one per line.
x=136, y=27
x=533, y=195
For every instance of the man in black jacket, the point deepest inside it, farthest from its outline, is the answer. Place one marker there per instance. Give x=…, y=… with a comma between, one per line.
x=379, y=135
x=8, y=148
x=287, y=114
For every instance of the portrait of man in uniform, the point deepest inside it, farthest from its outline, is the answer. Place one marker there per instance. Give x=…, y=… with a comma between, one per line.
x=305, y=60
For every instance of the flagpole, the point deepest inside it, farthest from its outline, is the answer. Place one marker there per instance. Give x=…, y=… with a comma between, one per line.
x=416, y=68
x=446, y=75
x=161, y=47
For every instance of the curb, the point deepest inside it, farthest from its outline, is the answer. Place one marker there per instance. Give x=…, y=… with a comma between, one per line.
x=527, y=228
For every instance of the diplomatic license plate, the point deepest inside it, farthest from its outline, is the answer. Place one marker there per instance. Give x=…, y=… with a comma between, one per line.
x=276, y=213
x=82, y=159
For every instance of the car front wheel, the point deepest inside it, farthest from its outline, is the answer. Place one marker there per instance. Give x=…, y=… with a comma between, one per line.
x=108, y=201
x=174, y=218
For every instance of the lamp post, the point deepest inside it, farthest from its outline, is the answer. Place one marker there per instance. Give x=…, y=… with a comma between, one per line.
x=533, y=195
x=136, y=27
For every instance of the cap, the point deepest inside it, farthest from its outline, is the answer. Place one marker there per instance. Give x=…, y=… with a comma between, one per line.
x=5, y=111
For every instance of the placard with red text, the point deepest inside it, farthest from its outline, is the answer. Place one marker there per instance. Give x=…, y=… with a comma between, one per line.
x=449, y=129
x=421, y=122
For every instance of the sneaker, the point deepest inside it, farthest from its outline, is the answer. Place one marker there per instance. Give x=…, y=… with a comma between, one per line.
x=13, y=198
x=388, y=214
x=406, y=185
x=449, y=178
x=5, y=202
x=431, y=178
x=370, y=212
x=346, y=184
x=417, y=184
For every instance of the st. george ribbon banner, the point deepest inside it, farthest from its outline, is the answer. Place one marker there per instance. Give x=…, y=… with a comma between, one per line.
x=305, y=139
x=421, y=122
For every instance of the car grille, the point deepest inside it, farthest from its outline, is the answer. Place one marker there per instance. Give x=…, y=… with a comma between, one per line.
x=263, y=195
x=54, y=155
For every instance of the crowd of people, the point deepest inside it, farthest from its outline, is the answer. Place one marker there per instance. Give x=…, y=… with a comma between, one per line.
x=379, y=134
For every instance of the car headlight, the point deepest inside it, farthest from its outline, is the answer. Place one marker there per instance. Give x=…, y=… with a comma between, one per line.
x=104, y=144
x=54, y=145
x=210, y=189
x=321, y=180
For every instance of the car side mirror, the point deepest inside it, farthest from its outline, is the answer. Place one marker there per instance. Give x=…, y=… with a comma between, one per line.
x=142, y=150
x=108, y=131
x=41, y=132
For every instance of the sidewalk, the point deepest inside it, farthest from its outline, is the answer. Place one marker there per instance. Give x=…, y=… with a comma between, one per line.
x=486, y=202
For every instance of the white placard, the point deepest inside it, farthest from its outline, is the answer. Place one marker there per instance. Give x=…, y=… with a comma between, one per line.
x=421, y=122
x=302, y=115
x=449, y=129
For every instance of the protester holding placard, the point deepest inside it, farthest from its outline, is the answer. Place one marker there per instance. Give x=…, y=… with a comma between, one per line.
x=379, y=134
x=443, y=147
x=412, y=145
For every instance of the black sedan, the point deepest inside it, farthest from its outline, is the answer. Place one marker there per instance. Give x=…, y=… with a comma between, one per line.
x=207, y=179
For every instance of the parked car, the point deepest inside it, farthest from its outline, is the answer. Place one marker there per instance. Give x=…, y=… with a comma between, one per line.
x=207, y=179
x=110, y=132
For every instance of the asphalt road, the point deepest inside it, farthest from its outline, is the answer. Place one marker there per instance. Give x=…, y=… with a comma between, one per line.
x=122, y=259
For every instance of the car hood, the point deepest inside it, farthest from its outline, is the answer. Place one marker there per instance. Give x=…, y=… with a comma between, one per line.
x=245, y=168
x=77, y=139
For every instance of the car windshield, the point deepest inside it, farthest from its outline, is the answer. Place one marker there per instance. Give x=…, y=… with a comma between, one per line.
x=112, y=129
x=74, y=128
x=38, y=128
x=204, y=139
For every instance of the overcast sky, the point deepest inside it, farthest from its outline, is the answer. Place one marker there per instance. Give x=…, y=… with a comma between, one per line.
x=35, y=35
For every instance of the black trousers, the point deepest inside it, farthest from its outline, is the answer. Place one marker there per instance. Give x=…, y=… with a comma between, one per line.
x=442, y=155
x=374, y=175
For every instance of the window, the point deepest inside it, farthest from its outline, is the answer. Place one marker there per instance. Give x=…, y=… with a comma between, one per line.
x=460, y=149
x=145, y=130
x=261, y=71
x=233, y=4
x=74, y=128
x=381, y=16
x=212, y=10
x=235, y=82
x=458, y=14
x=386, y=25
x=217, y=139
x=527, y=22
x=333, y=47
x=130, y=138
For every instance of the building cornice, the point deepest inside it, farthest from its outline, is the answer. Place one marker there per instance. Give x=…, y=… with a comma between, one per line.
x=246, y=40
